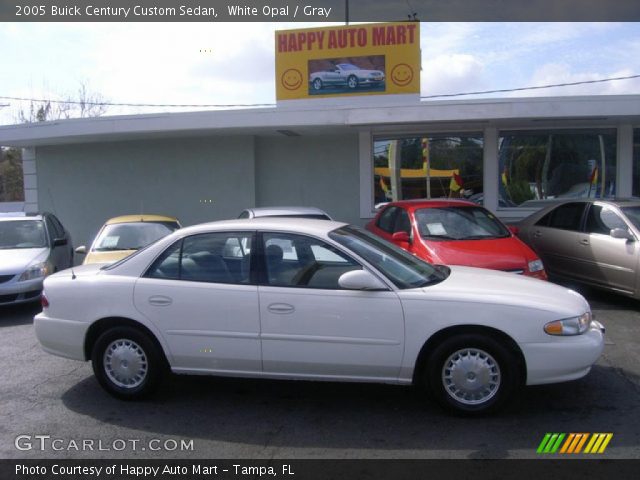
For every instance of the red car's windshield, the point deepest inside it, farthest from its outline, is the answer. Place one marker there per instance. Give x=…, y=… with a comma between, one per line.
x=459, y=223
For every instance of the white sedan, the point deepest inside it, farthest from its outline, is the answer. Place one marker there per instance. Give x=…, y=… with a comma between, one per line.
x=314, y=300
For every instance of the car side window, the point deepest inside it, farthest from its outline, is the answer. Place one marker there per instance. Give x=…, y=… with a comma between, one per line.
x=223, y=257
x=402, y=223
x=565, y=217
x=299, y=261
x=57, y=226
x=602, y=220
x=387, y=218
x=51, y=228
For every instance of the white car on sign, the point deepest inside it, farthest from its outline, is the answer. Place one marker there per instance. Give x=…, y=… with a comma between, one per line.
x=346, y=74
x=224, y=299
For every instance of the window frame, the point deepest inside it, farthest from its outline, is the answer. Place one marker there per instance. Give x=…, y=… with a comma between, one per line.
x=261, y=261
x=252, y=259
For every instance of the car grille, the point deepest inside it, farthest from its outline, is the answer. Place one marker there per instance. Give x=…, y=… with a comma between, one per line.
x=6, y=278
x=8, y=298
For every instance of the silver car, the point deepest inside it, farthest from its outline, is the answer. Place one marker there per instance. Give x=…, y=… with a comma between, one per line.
x=296, y=212
x=591, y=241
x=32, y=246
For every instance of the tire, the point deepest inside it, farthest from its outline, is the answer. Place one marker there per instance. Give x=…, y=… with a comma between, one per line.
x=472, y=374
x=352, y=82
x=317, y=84
x=115, y=353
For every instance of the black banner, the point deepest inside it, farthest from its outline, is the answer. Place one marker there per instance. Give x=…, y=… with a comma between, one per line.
x=317, y=10
x=319, y=469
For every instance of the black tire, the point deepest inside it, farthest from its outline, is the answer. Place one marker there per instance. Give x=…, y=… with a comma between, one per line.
x=317, y=84
x=352, y=82
x=136, y=349
x=484, y=360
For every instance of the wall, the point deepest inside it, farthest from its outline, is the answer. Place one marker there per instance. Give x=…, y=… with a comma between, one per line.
x=88, y=183
x=319, y=171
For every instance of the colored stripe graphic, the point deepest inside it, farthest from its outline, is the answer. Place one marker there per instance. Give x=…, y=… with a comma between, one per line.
x=550, y=443
x=553, y=443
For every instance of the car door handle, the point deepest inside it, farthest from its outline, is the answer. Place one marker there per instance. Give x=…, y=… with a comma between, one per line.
x=160, y=301
x=584, y=241
x=281, y=308
x=537, y=234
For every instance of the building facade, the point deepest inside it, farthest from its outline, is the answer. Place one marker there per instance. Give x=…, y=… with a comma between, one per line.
x=343, y=157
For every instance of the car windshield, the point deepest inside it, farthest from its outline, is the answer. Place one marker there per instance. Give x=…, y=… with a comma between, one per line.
x=22, y=234
x=633, y=214
x=348, y=66
x=459, y=223
x=131, y=236
x=402, y=268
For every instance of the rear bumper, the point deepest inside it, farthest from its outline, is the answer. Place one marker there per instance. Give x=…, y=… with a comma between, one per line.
x=564, y=358
x=64, y=338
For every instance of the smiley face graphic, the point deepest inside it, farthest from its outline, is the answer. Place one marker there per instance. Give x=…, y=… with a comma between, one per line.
x=291, y=79
x=402, y=74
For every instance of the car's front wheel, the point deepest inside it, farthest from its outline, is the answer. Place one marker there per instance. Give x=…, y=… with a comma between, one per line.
x=317, y=84
x=472, y=374
x=352, y=82
x=127, y=363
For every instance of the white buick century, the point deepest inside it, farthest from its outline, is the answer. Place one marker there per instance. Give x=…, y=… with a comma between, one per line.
x=314, y=300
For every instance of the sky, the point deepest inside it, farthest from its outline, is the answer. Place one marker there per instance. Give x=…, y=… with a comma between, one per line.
x=233, y=63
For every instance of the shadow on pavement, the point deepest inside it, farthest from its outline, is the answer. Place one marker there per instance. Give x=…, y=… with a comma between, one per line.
x=21, y=314
x=364, y=416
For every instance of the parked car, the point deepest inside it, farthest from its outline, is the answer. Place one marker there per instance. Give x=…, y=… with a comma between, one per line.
x=32, y=246
x=346, y=74
x=591, y=241
x=121, y=236
x=455, y=232
x=342, y=305
x=298, y=212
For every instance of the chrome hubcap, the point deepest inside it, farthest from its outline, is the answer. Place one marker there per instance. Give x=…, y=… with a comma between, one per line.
x=125, y=363
x=471, y=376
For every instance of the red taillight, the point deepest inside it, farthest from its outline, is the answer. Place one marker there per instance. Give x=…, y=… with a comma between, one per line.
x=43, y=301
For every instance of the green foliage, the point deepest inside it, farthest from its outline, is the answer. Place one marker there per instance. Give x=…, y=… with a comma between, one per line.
x=11, y=179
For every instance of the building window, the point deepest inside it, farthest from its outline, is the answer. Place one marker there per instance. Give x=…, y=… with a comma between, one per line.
x=539, y=165
x=429, y=166
x=636, y=162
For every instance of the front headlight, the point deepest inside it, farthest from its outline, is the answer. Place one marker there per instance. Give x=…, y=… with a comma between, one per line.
x=536, y=265
x=569, y=326
x=37, y=270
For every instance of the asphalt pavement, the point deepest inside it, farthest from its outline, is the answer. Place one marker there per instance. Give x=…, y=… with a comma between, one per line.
x=53, y=408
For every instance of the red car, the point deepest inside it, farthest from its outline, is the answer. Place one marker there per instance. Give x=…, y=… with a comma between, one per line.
x=455, y=232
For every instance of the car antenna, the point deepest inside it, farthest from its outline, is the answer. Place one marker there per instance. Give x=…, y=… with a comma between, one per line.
x=73, y=274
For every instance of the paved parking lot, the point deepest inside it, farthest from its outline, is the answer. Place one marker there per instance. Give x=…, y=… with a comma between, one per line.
x=230, y=418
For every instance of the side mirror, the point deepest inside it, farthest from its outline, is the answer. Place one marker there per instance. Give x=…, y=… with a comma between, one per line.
x=81, y=250
x=360, y=280
x=622, y=233
x=401, y=237
x=59, y=242
x=513, y=229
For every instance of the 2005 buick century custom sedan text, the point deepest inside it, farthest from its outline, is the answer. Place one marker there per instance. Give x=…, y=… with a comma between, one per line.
x=319, y=300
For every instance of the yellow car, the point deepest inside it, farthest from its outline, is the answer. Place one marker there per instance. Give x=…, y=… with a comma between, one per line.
x=121, y=236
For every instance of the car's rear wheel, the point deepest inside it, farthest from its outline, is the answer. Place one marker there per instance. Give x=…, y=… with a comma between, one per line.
x=317, y=84
x=127, y=363
x=352, y=82
x=472, y=374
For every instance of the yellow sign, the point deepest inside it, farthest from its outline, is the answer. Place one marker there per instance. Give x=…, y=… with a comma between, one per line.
x=373, y=59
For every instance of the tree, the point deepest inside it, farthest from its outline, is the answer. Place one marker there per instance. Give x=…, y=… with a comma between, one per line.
x=11, y=182
x=81, y=105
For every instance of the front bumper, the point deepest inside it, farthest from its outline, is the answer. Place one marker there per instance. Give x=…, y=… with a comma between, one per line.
x=20, y=292
x=562, y=359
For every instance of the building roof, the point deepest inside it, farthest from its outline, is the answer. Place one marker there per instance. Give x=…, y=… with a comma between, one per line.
x=305, y=118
